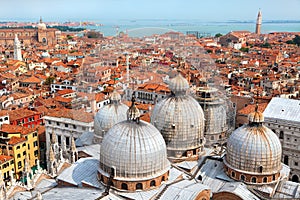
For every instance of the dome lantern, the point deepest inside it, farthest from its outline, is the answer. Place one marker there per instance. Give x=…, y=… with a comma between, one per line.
x=178, y=85
x=133, y=113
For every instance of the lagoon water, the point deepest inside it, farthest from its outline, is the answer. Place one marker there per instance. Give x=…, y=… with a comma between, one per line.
x=138, y=28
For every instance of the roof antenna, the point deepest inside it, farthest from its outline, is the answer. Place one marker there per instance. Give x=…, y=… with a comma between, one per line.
x=257, y=95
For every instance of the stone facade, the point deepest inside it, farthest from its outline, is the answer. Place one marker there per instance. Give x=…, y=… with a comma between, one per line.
x=28, y=36
x=289, y=136
x=135, y=185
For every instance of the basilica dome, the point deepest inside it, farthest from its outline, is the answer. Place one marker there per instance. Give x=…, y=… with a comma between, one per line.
x=109, y=115
x=134, y=153
x=180, y=120
x=215, y=113
x=253, y=152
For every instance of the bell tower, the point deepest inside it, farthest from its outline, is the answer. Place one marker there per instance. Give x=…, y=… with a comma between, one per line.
x=17, y=49
x=258, y=22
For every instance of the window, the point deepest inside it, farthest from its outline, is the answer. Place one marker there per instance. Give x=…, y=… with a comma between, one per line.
x=139, y=186
x=24, y=153
x=67, y=141
x=233, y=174
x=35, y=134
x=152, y=183
x=59, y=139
x=265, y=179
x=35, y=143
x=296, y=163
x=281, y=135
x=19, y=155
x=286, y=160
x=242, y=177
x=253, y=179
x=36, y=153
x=19, y=164
x=74, y=126
x=57, y=123
x=28, y=146
x=83, y=128
x=66, y=125
x=49, y=122
x=124, y=186
x=18, y=147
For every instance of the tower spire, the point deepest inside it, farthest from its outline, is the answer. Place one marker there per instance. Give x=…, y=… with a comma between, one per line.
x=258, y=22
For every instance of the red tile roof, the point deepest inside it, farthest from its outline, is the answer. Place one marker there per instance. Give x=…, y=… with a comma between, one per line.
x=8, y=128
x=16, y=140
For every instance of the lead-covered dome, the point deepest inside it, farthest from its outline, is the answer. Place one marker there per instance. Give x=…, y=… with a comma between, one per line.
x=136, y=153
x=254, y=152
x=216, y=115
x=109, y=115
x=180, y=120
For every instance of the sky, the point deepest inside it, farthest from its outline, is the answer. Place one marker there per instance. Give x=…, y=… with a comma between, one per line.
x=210, y=10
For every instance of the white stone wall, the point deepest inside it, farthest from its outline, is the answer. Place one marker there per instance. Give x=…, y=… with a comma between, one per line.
x=289, y=135
x=65, y=128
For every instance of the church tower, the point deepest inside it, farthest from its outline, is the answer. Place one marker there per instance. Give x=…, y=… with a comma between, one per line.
x=17, y=49
x=258, y=22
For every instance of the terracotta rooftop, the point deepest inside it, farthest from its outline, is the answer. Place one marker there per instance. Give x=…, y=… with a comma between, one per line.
x=8, y=128
x=4, y=158
x=21, y=113
x=251, y=108
x=77, y=115
x=16, y=140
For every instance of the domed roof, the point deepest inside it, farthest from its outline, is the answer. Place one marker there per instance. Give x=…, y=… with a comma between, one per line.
x=178, y=85
x=254, y=148
x=110, y=114
x=135, y=149
x=179, y=118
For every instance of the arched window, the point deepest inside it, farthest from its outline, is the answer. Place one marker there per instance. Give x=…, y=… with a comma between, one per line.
x=295, y=178
x=274, y=177
x=242, y=177
x=260, y=169
x=281, y=135
x=139, y=186
x=124, y=186
x=233, y=174
x=162, y=178
x=253, y=179
x=152, y=183
x=265, y=179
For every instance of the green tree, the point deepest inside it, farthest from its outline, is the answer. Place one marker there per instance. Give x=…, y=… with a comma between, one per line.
x=266, y=45
x=218, y=35
x=69, y=37
x=296, y=40
x=93, y=34
x=244, y=49
x=290, y=42
x=49, y=80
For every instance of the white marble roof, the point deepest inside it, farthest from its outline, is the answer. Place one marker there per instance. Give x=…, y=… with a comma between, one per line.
x=83, y=171
x=282, y=108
